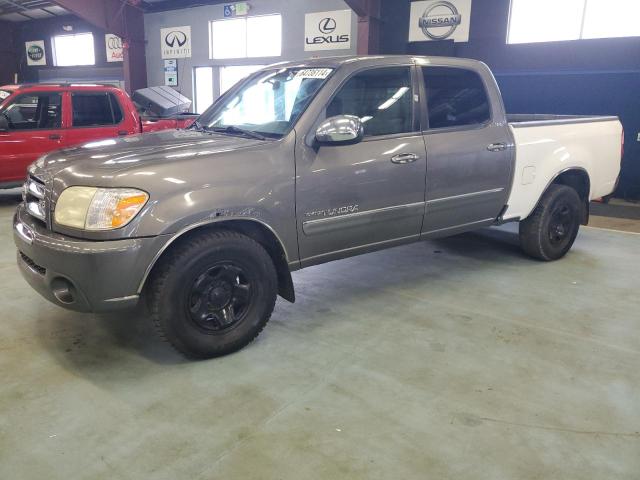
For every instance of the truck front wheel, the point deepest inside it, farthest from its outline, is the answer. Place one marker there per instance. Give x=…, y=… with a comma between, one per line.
x=213, y=294
x=549, y=232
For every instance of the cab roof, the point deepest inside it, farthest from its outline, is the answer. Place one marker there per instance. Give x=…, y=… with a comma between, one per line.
x=376, y=60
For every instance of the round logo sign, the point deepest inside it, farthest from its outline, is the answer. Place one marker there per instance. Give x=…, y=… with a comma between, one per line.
x=35, y=53
x=440, y=20
x=327, y=25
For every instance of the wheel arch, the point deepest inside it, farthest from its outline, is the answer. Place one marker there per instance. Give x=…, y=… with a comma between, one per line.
x=578, y=179
x=255, y=229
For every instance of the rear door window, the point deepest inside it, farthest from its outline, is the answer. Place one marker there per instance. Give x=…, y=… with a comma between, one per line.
x=34, y=111
x=95, y=109
x=455, y=97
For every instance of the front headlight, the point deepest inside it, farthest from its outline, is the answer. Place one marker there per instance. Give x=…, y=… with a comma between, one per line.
x=91, y=208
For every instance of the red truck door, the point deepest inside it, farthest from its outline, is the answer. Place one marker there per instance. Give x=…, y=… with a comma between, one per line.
x=97, y=115
x=35, y=128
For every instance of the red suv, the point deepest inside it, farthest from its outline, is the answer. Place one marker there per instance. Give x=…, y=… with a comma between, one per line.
x=36, y=119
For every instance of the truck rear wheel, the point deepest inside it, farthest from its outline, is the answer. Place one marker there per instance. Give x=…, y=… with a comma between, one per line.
x=213, y=294
x=549, y=232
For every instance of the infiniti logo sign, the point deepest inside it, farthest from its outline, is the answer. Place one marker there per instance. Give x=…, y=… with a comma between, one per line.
x=327, y=25
x=175, y=37
x=176, y=42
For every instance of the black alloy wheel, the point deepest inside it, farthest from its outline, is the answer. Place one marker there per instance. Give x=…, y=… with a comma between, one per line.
x=220, y=297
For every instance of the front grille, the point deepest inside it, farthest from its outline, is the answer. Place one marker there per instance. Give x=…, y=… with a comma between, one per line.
x=33, y=265
x=34, y=196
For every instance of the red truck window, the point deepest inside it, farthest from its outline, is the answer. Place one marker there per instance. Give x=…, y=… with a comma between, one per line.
x=95, y=109
x=34, y=111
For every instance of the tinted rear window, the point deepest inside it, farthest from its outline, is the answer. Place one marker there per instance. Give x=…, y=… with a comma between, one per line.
x=455, y=97
x=92, y=110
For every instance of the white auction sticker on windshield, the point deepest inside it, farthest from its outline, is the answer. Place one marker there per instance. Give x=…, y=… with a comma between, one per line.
x=4, y=94
x=313, y=73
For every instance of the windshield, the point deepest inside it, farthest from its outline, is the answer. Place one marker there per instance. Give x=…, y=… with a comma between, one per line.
x=267, y=104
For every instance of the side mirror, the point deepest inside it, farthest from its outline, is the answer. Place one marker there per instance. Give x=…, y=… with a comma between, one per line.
x=4, y=123
x=341, y=129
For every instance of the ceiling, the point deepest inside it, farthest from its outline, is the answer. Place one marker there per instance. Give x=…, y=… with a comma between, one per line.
x=24, y=10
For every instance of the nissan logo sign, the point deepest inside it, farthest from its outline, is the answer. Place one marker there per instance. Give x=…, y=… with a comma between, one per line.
x=175, y=37
x=327, y=25
x=440, y=20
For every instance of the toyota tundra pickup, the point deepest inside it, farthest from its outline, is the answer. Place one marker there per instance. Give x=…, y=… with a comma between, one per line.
x=36, y=119
x=299, y=164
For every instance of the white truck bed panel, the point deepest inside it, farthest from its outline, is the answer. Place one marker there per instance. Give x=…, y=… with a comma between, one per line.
x=548, y=145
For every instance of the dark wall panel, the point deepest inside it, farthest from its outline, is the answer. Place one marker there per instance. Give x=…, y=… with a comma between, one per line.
x=45, y=30
x=8, y=53
x=580, y=77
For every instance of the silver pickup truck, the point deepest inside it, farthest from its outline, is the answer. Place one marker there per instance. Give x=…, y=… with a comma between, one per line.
x=299, y=164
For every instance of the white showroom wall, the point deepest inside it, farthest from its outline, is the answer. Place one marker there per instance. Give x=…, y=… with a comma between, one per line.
x=198, y=18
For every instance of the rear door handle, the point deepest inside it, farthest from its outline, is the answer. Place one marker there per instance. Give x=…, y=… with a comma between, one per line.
x=497, y=147
x=403, y=158
x=122, y=133
x=54, y=136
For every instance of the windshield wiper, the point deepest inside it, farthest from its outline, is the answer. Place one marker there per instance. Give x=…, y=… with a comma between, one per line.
x=232, y=129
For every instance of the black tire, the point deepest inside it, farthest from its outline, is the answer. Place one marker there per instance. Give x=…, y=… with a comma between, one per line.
x=213, y=294
x=549, y=232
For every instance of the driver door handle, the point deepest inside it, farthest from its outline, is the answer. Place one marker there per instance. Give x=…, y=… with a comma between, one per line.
x=54, y=136
x=403, y=158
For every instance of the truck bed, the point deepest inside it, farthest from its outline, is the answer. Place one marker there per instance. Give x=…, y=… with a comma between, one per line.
x=547, y=145
x=533, y=120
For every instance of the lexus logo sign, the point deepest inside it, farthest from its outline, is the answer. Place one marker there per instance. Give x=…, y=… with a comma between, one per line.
x=176, y=42
x=327, y=25
x=175, y=37
x=327, y=30
x=437, y=20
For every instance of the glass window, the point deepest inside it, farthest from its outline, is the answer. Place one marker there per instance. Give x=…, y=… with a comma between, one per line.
x=93, y=110
x=246, y=37
x=228, y=38
x=72, y=50
x=264, y=36
x=455, y=97
x=203, y=79
x=229, y=76
x=268, y=103
x=381, y=97
x=611, y=18
x=34, y=111
x=552, y=20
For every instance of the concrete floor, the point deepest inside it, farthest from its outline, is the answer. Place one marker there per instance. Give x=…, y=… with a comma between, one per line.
x=455, y=359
